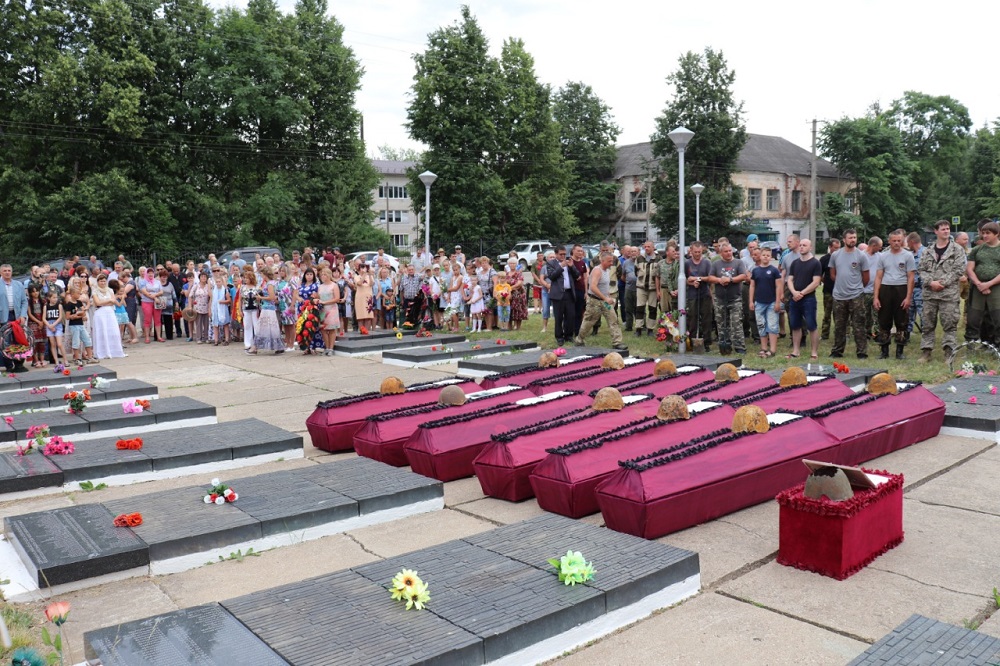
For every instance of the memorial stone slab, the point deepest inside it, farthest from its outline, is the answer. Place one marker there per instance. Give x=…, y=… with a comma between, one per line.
x=16, y=401
x=373, y=485
x=527, y=359
x=982, y=418
x=98, y=459
x=377, y=334
x=59, y=423
x=113, y=417
x=285, y=502
x=74, y=543
x=252, y=437
x=377, y=345
x=46, y=377
x=126, y=388
x=630, y=568
x=206, y=635
x=345, y=618
x=923, y=641
x=527, y=606
x=28, y=472
x=444, y=353
x=178, y=522
x=179, y=408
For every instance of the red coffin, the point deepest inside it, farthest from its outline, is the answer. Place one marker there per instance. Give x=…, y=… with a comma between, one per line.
x=444, y=449
x=871, y=426
x=838, y=539
x=658, y=496
x=528, y=375
x=333, y=423
x=796, y=399
x=661, y=387
x=594, y=378
x=382, y=435
x=566, y=480
x=506, y=462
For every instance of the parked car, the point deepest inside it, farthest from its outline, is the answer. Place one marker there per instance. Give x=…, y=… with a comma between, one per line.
x=246, y=254
x=525, y=253
x=369, y=258
x=774, y=246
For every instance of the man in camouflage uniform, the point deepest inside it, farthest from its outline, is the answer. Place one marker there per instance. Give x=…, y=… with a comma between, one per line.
x=666, y=277
x=849, y=268
x=728, y=274
x=645, y=288
x=941, y=269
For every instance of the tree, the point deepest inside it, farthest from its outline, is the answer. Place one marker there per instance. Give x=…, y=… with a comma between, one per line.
x=835, y=216
x=491, y=139
x=983, y=173
x=387, y=152
x=703, y=102
x=587, y=136
x=871, y=150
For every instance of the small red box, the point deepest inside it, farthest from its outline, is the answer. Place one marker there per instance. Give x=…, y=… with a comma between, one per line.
x=838, y=539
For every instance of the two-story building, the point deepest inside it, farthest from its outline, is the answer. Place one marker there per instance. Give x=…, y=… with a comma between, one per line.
x=774, y=173
x=392, y=208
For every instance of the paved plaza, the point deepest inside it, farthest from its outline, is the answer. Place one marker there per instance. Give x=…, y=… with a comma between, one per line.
x=751, y=610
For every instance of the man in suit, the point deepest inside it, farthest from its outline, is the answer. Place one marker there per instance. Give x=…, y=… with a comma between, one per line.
x=13, y=303
x=562, y=275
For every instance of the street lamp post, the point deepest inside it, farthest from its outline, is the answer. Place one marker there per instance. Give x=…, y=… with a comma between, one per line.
x=681, y=138
x=427, y=178
x=697, y=188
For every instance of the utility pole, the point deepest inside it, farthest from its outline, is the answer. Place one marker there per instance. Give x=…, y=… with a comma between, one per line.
x=812, y=190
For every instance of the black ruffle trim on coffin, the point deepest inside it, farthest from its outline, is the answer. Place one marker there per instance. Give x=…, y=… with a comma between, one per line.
x=354, y=399
x=489, y=411
x=749, y=398
x=593, y=372
x=634, y=428
x=847, y=402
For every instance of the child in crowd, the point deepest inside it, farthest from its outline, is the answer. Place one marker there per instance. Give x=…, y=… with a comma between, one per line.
x=765, y=301
x=389, y=308
x=76, y=313
x=36, y=322
x=501, y=292
x=476, y=306
x=54, y=318
x=121, y=312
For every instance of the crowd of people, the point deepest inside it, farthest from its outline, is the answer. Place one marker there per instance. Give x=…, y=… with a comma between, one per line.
x=85, y=311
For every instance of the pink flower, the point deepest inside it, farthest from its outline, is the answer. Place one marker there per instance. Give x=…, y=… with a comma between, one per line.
x=972, y=400
x=9, y=420
x=57, y=612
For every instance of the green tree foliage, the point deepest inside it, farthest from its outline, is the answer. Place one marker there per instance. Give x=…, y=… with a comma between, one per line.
x=983, y=174
x=871, y=150
x=166, y=124
x=587, y=136
x=491, y=140
x=703, y=102
x=835, y=216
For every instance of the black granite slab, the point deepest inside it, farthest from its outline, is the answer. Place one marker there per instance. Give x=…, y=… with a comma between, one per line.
x=59, y=422
x=921, y=641
x=374, y=485
x=377, y=345
x=73, y=543
x=47, y=377
x=285, y=502
x=125, y=388
x=527, y=606
x=207, y=635
x=180, y=408
x=178, y=522
x=113, y=417
x=28, y=472
x=255, y=438
x=527, y=359
x=982, y=418
x=378, y=333
x=444, y=353
x=630, y=568
x=345, y=618
x=16, y=401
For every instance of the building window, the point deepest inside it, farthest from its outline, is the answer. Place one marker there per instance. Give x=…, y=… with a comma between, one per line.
x=392, y=192
x=819, y=199
x=773, y=199
x=849, y=204
x=753, y=198
x=796, y=201
x=401, y=240
x=638, y=202
x=636, y=237
x=394, y=216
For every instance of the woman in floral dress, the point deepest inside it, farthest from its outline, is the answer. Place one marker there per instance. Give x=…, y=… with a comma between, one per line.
x=308, y=288
x=286, y=306
x=268, y=331
x=364, y=298
x=518, y=297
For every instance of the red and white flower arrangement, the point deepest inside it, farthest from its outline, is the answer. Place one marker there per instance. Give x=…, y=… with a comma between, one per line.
x=220, y=493
x=77, y=401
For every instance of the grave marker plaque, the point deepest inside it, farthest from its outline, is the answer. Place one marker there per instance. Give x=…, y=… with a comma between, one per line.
x=74, y=543
x=27, y=472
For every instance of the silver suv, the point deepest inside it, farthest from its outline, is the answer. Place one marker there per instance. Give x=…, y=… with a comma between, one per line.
x=525, y=253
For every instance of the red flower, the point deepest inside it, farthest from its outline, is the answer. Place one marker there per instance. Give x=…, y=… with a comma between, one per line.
x=66, y=372
x=134, y=519
x=129, y=444
x=364, y=330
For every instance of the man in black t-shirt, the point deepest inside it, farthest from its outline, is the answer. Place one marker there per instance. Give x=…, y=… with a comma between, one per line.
x=804, y=277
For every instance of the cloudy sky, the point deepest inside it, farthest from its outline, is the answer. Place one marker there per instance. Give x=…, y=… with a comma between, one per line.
x=793, y=61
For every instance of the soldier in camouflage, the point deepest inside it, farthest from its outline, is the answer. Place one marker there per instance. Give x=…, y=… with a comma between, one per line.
x=941, y=268
x=727, y=274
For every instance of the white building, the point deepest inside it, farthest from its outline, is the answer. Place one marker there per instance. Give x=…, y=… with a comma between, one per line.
x=392, y=207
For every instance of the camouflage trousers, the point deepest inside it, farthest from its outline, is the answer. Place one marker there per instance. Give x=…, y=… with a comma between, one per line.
x=917, y=310
x=945, y=310
x=596, y=309
x=871, y=317
x=729, y=324
x=851, y=312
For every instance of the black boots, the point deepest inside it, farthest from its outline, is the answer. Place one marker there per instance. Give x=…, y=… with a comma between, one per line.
x=899, y=351
x=885, y=352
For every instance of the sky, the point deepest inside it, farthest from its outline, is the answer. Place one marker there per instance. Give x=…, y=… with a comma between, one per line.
x=793, y=61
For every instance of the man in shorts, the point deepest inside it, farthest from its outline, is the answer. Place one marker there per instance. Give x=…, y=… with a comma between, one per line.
x=765, y=298
x=805, y=275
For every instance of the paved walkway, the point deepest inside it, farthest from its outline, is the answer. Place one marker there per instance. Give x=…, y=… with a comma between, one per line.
x=751, y=610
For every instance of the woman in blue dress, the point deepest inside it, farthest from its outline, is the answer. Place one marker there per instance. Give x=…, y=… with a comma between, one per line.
x=308, y=288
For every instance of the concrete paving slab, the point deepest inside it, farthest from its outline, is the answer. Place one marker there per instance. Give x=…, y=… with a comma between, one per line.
x=223, y=580
x=924, y=459
x=502, y=512
x=712, y=629
x=110, y=604
x=461, y=491
x=732, y=542
x=991, y=626
x=422, y=531
x=867, y=605
x=970, y=486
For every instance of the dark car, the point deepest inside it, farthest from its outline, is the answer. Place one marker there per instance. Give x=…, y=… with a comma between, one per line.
x=247, y=254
